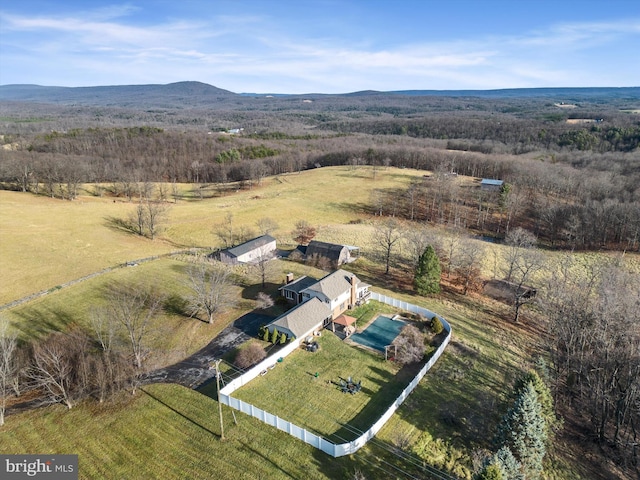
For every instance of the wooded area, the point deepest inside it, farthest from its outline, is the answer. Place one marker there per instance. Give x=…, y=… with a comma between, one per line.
x=571, y=181
x=571, y=175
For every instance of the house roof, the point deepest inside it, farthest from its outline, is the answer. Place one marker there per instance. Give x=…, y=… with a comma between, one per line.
x=334, y=284
x=490, y=181
x=305, y=317
x=250, y=245
x=299, y=284
x=331, y=251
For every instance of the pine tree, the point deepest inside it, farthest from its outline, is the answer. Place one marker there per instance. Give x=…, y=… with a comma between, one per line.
x=523, y=431
x=545, y=399
x=283, y=338
x=510, y=467
x=427, y=277
x=265, y=334
x=490, y=472
x=275, y=336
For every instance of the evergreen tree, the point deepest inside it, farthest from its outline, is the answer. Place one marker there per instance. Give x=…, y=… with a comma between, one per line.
x=427, y=277
x=265, y=334
x=545, y=399
x=511, y=469
x=283, y=338
x=523, y=431
x=490, y=472
x=275, y=336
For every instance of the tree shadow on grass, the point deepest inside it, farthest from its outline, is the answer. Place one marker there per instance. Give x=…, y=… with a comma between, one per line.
x=120, y=225
x=38, y=322
x=157, y=399
x=379, y=402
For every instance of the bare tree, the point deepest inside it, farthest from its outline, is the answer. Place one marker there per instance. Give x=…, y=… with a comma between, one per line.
x=451, y=244
x=264, y=301
x=525, y=266
x=517, y=241
x=134, y=307
x=147, y=218
x=267, y=225
x=211, y=289
x=250, y=355
x=60, y=367
x=409, y=345
x=416, y=239
x=262, y=265
x=225, y=231
x=468, y=265
x=104, y=327
x=386, y=237
x=8, y=365
x=304, y=232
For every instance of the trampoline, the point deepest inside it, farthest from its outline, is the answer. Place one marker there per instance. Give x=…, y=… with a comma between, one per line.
x=380, y=333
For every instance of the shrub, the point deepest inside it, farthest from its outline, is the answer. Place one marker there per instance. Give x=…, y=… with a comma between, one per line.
x=250, y=355
x=283, y=338
x=436, y=325
x=265, y=334
x=275, y=336
x=410, y=345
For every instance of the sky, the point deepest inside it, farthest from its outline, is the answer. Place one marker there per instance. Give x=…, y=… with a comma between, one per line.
x=323, y=46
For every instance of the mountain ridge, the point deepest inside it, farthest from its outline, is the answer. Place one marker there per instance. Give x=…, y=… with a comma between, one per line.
x=193, y=93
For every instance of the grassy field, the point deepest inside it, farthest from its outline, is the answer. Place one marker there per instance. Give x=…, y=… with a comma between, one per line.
x=292, y=392
x=166, y=432
x=46, y=242
x=450, y=416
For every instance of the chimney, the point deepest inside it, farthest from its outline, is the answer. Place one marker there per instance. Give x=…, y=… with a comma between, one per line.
x=289, y=278
x=353, y=281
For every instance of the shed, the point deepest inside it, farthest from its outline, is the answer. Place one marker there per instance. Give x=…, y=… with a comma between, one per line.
x=491, y=185
x=248, y=252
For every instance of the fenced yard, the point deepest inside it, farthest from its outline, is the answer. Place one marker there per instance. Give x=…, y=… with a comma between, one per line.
x=292, y=391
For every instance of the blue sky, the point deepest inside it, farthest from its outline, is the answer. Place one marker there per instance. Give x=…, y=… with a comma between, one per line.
x=327, y=46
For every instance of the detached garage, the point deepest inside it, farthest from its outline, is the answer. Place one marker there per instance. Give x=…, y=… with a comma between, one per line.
x=256, y=249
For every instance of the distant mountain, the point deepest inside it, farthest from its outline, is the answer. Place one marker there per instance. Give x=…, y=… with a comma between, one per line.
x=197, y=94
x=178, y=94
x=566, y=92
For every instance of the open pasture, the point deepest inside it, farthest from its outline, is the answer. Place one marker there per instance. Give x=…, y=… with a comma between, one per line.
x=46, y=242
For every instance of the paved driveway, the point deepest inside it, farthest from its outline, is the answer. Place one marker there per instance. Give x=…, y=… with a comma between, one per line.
x=193, y=371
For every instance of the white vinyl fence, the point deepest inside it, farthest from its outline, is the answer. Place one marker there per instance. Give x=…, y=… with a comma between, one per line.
x=335, y=450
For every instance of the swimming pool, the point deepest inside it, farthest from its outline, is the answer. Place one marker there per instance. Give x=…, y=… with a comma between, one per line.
x=380, y=333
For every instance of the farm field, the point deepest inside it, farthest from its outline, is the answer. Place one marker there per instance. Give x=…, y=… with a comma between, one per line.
x=46, y=242
x=451, y=415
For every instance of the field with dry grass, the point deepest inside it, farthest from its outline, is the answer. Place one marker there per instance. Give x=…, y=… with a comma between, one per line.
x=446, y=421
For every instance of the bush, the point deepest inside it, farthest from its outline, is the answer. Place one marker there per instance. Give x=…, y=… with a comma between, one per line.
x=250, y=355
x=409, y=345
x=265, y=334
x=283, y=338
x=436, y=325
x=275, y=336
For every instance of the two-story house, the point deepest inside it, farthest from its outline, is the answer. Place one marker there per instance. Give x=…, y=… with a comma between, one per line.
x=319, y=301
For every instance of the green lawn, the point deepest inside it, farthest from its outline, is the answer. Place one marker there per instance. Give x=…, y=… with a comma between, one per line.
x=292, y=392
x=166, y=432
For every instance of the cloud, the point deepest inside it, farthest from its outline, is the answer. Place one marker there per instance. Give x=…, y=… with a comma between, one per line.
x=253, y=53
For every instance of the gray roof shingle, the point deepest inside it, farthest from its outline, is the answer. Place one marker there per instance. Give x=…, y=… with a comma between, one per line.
x=305, y=317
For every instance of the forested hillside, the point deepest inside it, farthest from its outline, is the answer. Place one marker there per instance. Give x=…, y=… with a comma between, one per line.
x=571, y=165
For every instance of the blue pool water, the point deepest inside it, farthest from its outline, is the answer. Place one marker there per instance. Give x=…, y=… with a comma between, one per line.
x=380, y=333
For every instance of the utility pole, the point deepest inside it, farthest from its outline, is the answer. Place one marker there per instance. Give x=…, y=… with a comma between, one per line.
x=219, y=403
